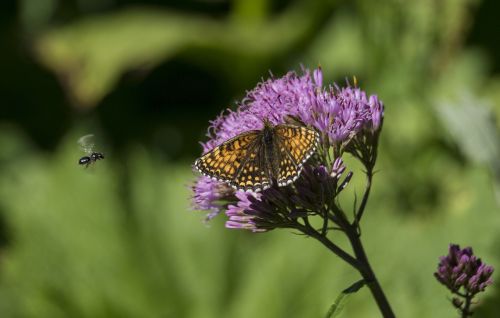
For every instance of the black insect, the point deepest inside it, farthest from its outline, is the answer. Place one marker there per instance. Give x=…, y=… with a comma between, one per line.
x=87, y=145
x=87, y=160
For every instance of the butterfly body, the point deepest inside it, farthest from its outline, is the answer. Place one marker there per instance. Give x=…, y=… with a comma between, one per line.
x=257, y=159
x=269, y=146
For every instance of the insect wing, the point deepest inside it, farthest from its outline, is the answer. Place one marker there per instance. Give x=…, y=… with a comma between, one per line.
x=294, y=145
x=86, y=143
x=254, y=174
x=225, y=162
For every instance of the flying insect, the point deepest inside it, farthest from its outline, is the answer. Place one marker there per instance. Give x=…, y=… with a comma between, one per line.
x=88, y=146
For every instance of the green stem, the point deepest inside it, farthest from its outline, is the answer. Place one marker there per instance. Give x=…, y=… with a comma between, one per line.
x=309, y=230
x=364, y=201
x=359, y=262
x=368, y=274
x=466, y=310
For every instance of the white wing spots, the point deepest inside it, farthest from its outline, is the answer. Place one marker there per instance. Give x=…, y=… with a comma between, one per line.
x=251, y=176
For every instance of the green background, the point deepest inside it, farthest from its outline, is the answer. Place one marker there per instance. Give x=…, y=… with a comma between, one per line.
x=119, y=239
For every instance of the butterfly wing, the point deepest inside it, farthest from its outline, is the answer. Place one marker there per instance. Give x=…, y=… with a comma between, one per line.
x=294, y=145
x=241, y=161
x=231, y=161
x=254, y=174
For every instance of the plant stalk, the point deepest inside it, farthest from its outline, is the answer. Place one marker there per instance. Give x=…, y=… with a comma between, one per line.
x=361, y=209
x=368, y=274
x=309, y=230
x=359, y=262
x=466, y=310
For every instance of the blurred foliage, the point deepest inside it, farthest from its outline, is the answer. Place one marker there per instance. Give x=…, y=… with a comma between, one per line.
x=118, y=240
x=96, y=243
x=91, y=55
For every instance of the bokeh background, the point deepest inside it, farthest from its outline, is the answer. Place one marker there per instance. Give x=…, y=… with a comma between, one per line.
x=120, y=240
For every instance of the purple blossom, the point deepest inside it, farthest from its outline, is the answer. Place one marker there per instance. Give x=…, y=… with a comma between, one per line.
x=206, y=195
x=342, y=116
x=280, y=207
x=339, y=113
x=238, y=219
x=272, y=208
x=377, y=113
x=338, y=168
x=462, y=272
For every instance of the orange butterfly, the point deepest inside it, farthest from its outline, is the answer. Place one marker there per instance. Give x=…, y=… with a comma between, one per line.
x=256, y=159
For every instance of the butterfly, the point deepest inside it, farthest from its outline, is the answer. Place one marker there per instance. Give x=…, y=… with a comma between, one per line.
x=257, y=159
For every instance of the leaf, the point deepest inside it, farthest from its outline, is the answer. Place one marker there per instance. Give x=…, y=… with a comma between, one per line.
x=471, y=123
x=341, y=300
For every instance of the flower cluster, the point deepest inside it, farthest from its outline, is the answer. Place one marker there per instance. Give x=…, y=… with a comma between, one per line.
x=280, y=207
x=207, y=195
x=347, y=119
x=462, y=272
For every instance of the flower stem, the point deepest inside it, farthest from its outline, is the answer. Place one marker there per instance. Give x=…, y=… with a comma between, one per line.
x=361, y=209
x=309, y=230
x=367, y=273
x=466, y=310
x=360, y=262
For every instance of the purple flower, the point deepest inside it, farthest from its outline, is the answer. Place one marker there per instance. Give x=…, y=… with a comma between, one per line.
x=274, y=100
x=206, y=196
x=462, y=272
x=377, y=113
x=273, y=208
x=261, y=212
x=338, y=168
x=280, y=207
x=347, y=119
x=238, y=219
x=339, y=113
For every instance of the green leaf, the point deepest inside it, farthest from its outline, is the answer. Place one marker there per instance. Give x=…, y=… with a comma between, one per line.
x=341, y=300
